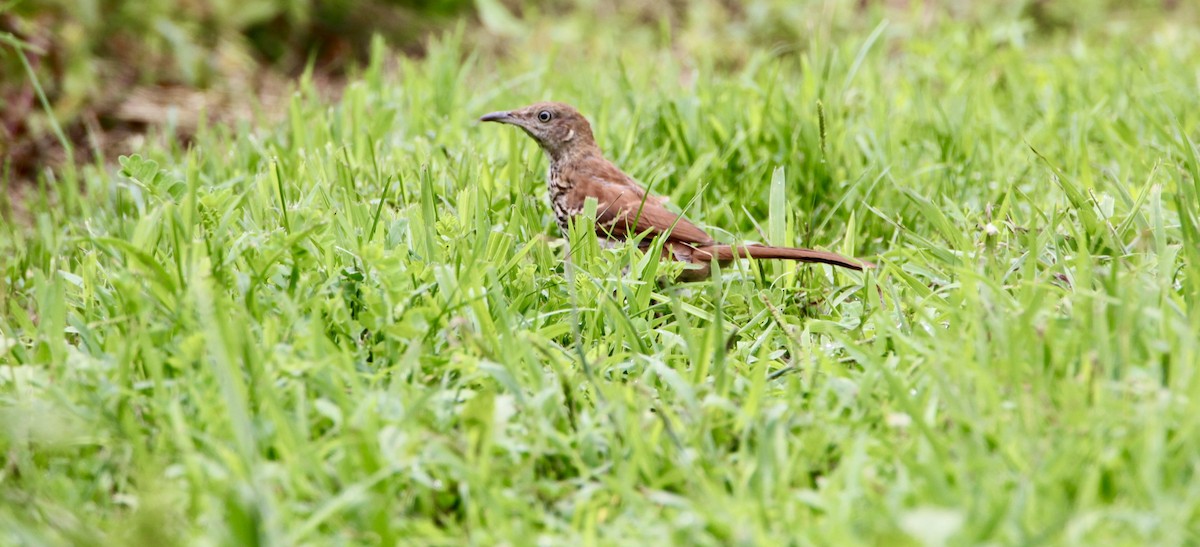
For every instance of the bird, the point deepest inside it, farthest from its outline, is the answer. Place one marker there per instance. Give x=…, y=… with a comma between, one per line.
x=624, y=209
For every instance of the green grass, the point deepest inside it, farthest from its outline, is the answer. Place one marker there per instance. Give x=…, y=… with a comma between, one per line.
x=355, y=326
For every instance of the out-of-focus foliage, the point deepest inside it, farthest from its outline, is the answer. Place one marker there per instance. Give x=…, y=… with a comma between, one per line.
x=86, y=54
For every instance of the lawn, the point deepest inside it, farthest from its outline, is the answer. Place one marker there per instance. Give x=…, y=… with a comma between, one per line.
x=353, y=323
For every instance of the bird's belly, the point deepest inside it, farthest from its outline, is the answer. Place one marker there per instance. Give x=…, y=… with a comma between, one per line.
x=562, y=214
x=561, y=208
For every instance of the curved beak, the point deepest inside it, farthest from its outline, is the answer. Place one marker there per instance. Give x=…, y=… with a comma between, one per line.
x=503, y=117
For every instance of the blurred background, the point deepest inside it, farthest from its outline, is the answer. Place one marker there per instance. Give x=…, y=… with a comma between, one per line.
x=100, y=74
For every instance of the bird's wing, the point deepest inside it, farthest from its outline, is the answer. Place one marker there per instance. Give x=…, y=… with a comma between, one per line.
x=624, y=209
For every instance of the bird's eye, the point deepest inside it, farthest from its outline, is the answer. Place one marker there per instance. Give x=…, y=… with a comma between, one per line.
x=544, y=116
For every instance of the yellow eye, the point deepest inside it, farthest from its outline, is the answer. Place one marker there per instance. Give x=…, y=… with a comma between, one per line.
x=544, y=116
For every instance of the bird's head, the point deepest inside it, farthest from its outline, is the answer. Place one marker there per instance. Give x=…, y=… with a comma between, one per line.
x=558, y=128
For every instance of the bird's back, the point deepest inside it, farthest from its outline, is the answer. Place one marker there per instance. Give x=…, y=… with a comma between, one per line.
x=623, y=208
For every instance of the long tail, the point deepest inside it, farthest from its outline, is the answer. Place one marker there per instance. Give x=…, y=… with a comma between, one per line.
x=726, y=252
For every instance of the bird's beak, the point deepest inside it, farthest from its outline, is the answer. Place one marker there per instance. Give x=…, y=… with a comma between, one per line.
x=503, y=116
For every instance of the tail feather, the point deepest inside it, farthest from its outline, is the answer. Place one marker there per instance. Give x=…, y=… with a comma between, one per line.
x=727, y=252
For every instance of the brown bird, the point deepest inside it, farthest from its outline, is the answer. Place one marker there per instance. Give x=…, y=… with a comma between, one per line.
x=579, y=171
